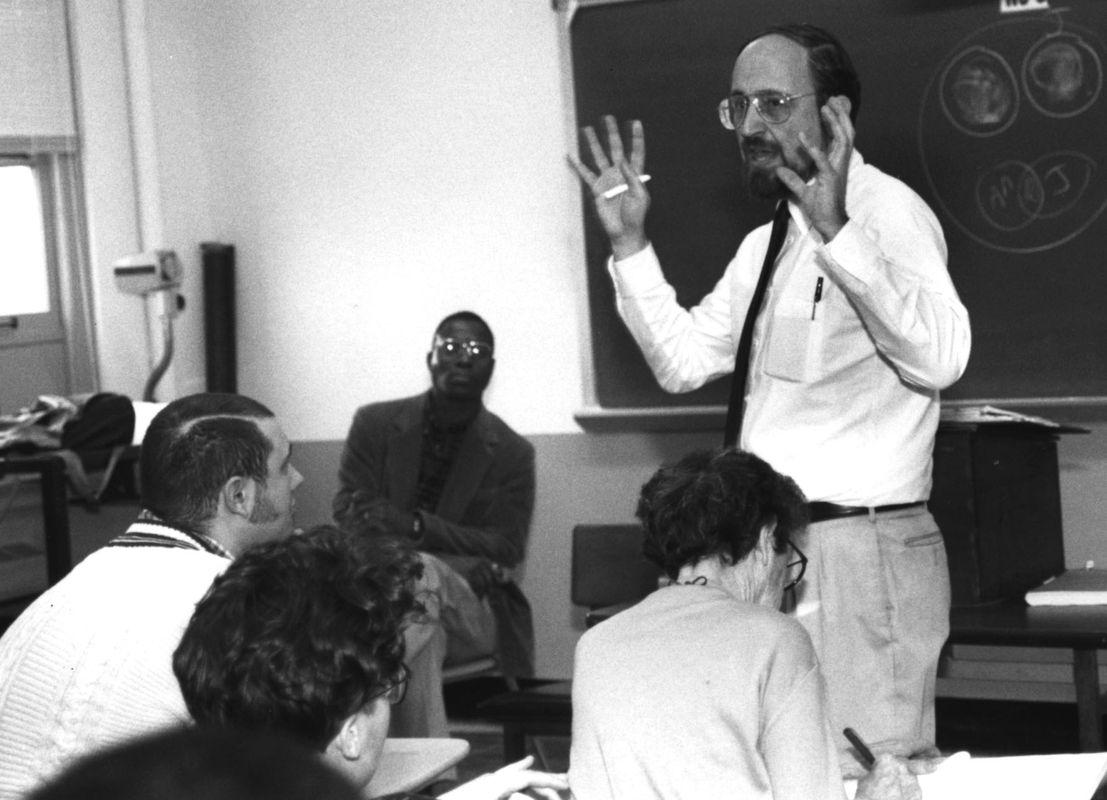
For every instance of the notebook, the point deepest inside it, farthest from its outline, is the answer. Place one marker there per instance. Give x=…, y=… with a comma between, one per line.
x=1065, y=776
x=1074, y=587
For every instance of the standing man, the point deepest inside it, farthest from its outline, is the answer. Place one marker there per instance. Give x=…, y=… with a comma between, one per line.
x=854, y=331
x=89, y=663
x=450, y=476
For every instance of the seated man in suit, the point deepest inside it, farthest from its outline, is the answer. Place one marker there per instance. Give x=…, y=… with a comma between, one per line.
x=88, y=663
x=446, y=474
x=303, y=638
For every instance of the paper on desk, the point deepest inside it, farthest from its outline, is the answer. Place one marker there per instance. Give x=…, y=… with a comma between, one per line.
x=986, y=414
x=1074, y=587
x=1057, y=777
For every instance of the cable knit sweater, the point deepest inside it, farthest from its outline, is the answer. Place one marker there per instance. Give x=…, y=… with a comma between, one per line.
x=88, y=664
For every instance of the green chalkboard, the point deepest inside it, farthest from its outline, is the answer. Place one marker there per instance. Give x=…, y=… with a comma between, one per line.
x=998, y=120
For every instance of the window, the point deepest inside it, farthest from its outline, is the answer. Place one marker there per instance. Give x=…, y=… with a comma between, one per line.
x=23, y=257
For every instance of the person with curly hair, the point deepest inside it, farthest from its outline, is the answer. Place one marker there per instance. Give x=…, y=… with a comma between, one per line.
x=705, y=688
x=304, y=638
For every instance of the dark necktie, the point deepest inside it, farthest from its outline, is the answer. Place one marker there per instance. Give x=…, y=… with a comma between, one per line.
x=733, y=429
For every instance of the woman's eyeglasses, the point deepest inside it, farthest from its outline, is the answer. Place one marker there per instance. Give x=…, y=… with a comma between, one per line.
x=395, y=691
x=795, y=569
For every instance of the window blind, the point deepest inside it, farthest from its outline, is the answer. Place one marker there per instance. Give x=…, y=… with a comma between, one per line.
x=36, y=98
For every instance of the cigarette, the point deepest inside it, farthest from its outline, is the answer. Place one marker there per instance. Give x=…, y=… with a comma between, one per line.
x=615, y=191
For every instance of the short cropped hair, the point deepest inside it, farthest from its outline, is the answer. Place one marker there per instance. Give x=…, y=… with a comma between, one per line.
x=714, y=503
x=186, y=763
x=193, y=447
x=299, y=634
x=831, y=67
x=466, y=316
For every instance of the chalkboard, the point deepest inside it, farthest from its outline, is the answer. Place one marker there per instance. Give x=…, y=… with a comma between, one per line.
x=998, y=120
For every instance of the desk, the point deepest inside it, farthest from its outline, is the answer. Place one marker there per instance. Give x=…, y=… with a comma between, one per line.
x=55, y=506
x=1082, y=629
x=409, y=764
x=53, y=484
x=541, y=711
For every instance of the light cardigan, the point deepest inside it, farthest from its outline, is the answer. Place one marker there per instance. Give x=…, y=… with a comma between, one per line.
x=89, y=663
x=693, y=694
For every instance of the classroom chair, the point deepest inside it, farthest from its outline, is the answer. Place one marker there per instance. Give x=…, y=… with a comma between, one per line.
x=607, y=570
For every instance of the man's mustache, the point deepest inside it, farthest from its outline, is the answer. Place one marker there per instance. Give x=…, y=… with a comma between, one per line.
x=761, y=142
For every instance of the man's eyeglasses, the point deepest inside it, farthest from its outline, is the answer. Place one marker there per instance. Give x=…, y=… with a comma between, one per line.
x=451, y=349
x=395, y=691
x=774, y=107
x=795, y=569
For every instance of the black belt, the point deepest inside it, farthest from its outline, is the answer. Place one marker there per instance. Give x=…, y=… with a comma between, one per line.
x=821, y=511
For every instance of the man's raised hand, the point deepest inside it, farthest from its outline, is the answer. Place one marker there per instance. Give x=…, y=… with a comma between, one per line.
x=623, y=216
x=823, y=199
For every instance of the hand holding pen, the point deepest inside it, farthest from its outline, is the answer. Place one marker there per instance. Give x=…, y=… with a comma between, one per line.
x=891, y=775
x=617, y=185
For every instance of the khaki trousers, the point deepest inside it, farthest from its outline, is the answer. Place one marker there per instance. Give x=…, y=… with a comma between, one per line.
x=459, y=627
x=875, y=600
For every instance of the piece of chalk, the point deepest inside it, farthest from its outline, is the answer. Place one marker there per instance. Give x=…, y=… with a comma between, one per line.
x=615, y=191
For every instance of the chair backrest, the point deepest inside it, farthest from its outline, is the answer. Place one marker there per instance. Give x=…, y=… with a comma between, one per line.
x=608, y=567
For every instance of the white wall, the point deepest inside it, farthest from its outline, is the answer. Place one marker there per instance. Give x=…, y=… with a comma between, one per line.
x=376, y=165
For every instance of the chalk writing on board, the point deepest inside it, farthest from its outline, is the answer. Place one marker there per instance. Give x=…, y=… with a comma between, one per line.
x=1011, y=131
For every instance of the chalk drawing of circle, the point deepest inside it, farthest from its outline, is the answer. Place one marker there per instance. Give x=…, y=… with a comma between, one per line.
x=1009, y=195
x=979, y=92
x=1064, y=177
x=1062, y=75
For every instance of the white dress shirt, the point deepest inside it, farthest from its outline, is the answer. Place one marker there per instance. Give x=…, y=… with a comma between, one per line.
x=842, y=393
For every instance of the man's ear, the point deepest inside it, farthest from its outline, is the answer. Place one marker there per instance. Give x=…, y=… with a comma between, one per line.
x=351, y=739
x=239, y=495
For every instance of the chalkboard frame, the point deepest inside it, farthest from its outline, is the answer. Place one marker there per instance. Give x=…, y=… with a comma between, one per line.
x=639, y=403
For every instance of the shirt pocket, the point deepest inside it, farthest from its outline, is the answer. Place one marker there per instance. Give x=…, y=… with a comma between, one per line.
x=788, y=352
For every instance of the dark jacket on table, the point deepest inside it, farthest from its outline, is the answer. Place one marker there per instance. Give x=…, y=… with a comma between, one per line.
x=484, y=510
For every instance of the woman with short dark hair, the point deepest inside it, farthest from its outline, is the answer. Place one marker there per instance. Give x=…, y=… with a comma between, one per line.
x=704, y=688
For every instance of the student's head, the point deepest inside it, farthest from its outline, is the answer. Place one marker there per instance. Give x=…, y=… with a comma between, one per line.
x=210, y=457
x=189, y=763
x=461, y=357
x=801, y=62
x=303, y=637
x=715, y=504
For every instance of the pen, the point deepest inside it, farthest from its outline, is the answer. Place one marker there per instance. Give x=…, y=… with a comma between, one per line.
x=818, y=295
x=615, y=191
x=864, y=754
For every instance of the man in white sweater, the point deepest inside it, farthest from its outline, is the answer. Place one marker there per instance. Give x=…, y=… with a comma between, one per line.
x=89, y=663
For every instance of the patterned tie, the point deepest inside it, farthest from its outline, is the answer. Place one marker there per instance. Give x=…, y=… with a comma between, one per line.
x=733, y=429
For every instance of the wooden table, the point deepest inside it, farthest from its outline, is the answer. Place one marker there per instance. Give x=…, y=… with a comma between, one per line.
x=53, y=485
x=55, y=506
x=1081, y=629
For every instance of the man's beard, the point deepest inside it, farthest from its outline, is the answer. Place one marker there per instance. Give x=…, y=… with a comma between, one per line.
x=764, y=184
x=761, y=180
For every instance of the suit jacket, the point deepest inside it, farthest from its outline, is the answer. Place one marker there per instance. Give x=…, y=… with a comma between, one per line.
x=484, y=510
